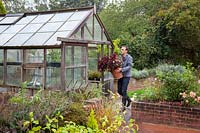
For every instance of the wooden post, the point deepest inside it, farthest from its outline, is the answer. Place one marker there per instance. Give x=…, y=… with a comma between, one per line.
x=45, y=69
x=63, y=67
x=4, y=66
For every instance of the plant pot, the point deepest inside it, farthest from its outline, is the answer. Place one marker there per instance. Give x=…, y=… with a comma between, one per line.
x=116, y=74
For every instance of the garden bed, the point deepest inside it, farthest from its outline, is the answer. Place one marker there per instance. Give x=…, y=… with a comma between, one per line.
x=173, y=115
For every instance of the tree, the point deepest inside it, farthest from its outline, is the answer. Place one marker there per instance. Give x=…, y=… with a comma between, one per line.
x=63, y=4
x=130, y=22
x=178, y=28
x=2, y=8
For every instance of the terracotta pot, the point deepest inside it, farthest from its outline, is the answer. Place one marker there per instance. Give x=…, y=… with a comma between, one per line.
x=116, y=74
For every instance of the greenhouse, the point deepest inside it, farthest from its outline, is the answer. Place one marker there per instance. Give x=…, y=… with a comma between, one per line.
x=51, y=49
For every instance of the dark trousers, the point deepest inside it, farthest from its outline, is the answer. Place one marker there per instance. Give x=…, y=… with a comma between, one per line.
x=122, y=89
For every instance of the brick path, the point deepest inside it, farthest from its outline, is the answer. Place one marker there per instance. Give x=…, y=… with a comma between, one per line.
x=159, y=128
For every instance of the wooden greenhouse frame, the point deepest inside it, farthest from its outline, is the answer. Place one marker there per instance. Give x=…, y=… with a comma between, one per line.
x=27, y=39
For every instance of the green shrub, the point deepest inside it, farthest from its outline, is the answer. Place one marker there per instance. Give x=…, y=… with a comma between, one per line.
x=139, y=74
x=92, y=122
x=176, y=80
x=145, y=94
x=166, y=68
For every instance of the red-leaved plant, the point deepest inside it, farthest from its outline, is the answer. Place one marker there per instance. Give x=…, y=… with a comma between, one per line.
x=109, y=63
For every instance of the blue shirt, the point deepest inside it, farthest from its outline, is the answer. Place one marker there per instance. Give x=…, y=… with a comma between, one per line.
x=127, y=63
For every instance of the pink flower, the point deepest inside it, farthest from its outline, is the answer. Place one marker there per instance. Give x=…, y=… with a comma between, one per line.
x=198, y=99
x=184, y=95
x=199, y=81
x=192, y=94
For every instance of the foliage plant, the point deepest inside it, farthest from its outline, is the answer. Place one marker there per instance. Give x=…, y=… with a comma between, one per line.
x=94, y=75
x=92, y=122
x=109, y=63
x=175, y=82
x=46, y=102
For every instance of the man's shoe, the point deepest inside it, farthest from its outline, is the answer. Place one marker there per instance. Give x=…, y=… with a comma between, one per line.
x=129, y=102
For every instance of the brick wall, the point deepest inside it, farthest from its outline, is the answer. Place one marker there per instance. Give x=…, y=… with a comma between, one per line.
x=166, y=114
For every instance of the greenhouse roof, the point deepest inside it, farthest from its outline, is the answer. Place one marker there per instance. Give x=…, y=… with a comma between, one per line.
x=43, y=28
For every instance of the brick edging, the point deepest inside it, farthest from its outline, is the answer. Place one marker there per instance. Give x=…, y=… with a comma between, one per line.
x=166, y=114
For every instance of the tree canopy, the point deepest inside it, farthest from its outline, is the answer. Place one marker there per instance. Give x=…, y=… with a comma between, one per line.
x=156, y=31
x=15, y=6
x=2, y=8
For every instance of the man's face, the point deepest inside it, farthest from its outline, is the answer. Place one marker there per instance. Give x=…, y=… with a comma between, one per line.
x=123, y=50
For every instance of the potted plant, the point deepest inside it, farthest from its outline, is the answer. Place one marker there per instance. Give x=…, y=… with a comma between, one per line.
x=94, y=75
x=110, y=63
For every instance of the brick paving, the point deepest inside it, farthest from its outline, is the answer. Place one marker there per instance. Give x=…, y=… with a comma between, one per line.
x=160, y=128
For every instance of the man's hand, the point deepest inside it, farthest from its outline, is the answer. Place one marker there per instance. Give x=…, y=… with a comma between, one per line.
x=119, y=69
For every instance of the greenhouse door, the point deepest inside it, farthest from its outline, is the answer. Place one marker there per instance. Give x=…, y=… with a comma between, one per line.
x=34, y=68
x=76, y=59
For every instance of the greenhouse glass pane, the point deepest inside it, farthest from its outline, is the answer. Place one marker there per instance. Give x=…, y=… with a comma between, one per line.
x=3, y=27
x=77, y=35
x=26, y=20
x=79, y=15
x=61, y=17
x=1, y=18
x=79, y=55
x=31, y=28
x=88, y=29
x=92, y=59
x=14, y=29
x=34, y=56
x=53, y=39
x=4, y=38
x=42, y=18
x=69, y=25
x=79, y=76
x=50, y=27
x=14, y=55
x=18, y=39
x=53, y=55
x=9, y=20
x=53, y=77
x=1, y=75
x=69, y=78
x=13, y=75
x=97, y=30
x=38, y=39
x=68, y=55
x=87, y=34
x=34, y=77
x=104, y=37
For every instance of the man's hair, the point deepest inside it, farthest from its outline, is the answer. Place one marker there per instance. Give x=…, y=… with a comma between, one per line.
x=125, y=47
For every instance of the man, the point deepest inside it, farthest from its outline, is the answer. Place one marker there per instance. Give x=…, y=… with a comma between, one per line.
x=127, y=63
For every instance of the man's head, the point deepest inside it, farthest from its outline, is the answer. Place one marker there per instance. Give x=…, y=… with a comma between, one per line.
x=124, y=50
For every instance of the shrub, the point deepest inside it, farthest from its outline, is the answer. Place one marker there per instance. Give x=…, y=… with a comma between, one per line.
x=145, y=94
x=139, y=74
x=191, y=98
x=45, y=102
x=176, y=80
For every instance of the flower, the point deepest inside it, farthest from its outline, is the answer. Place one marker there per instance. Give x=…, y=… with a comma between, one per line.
x=109, y=63
x=191, y=98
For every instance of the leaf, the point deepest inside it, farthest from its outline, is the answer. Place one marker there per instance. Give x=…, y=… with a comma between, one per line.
x=26, y=123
